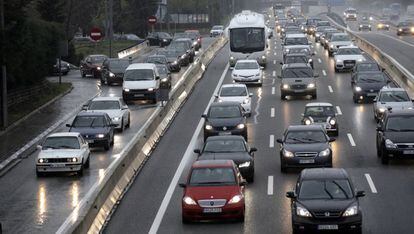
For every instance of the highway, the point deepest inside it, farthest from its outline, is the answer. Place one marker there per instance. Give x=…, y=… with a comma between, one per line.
x=40, y=205
x=153, y=202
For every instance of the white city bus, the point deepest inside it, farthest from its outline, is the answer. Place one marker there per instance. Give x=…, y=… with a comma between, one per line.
x=247, y=34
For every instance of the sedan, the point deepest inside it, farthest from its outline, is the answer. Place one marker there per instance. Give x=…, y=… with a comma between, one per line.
x=159, y=39
x=366, y=85
x=96, y=128
x=64, y=68
x=116, y=109
x=305, y=146
x=248, y=72
x=92, y=65
x=63, y=152
x=236, y=93
x=214, y=190
x=321, y=113
x=405, y=28
x=225, y=118
x=165, y=76
x=324, y=199
x=391, y=98
x=174, y=59
x=230, y=148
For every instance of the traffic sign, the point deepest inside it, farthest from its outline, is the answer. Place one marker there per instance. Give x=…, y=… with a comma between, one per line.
x=96, y=34
x=152, y=20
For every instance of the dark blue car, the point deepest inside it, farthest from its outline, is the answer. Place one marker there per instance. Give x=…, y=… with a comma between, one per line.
x=96, y=128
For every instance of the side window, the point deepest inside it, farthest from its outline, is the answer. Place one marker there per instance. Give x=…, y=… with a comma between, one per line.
x=81, y=140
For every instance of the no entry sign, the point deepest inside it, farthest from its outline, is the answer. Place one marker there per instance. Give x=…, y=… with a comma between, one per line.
x=96, y=34
x=152, y=20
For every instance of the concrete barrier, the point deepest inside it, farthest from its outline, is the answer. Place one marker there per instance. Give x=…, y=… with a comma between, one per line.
x=133, y=51
x=92, y=211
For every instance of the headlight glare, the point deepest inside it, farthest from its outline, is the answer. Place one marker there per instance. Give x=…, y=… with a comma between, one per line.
x=241, y=126
x=325, y=152
x=302, y=211
x=390, y=144
x=287, y=154
x=351, y=211
x=189, y=201
x=111, y=74
x=358, y=89
x=100, y=135
x=332, y=121
x=236, y=199
x=245, y=164
x=126, y=90
x=208, y=127
x=382, y=109
x=151, y=89
x=311, y=86
x=74, y=159
x=285, y=86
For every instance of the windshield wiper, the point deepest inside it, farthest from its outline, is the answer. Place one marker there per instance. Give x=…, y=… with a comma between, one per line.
x=92, y=122
x=342, y=189
x=393, y=129
x=295, y=139
x=311, y=140
x=324, y=188
x=66, y=147
x=406, y=130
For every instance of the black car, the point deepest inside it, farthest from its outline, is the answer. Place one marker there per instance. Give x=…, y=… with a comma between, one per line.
x=185, y=46
x=405, y=28
x=365, y=25
x=165, y=76
x=230, y=148
x=173, y=57
x=92, y=65
x=305, y=146
x=113, y=70
x=159, y=39
x=324, y=199
x=96, y=128
x=157, y=59
x=366, y=85
x=297, y=58
x=321, y=113
x=366, y=66
x=395, y=135
x=297, y=79
x=225, y=118
x=64, y=68
x=311, y=25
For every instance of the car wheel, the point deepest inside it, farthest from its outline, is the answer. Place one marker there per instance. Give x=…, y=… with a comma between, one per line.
x=39, y=174
x=83, y=74
x=384, y=157
x=107, y=145
x=283, y=97
x=88, y=162
x=129, y=121
x=314, y=96
x=241, y=219
x=122, y=125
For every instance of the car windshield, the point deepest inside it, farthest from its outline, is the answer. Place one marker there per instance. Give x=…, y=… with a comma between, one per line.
x=368, y=67
x=233, y=92
x=299, y=51
x=218, y=27
x=61, y=143
x=162, y=69
x=349, y=51
x=225, y=112
x=319, y=111
x=104, y=105
x=119, y=64
x=157, y=60
x=351, y=12
x=247, y=40
x=88, y=121
x=323, y=23
x=97, y=59
x=246, y=65
x=400, y=123
x=212, y=176
x=221, y=146
x=312, y=21
x=296, y=41
x=394, y=96
x=303, y=72
x=340, y=38
x=296, y=59
x=305, y=136
x=371, y=78
x=139, y=74
x=325, y=189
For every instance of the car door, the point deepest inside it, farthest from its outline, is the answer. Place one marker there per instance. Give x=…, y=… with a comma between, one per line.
x=108, y=127
x=84, y=148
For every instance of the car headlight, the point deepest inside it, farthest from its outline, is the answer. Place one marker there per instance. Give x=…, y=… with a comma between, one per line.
x=307, y=121
x=164, y=80
x=324, y=153
x=302, y=211
x=288, y=154
x=236, y=199
x=208, y=127
x=387, y=25
x=231, y=58
x=164, y=40
x=111, y=74
x=98, y=68
x=283, y=29
x=339, y=61
x=175, y=62
x=287, y=50
x=361, y=60
x=116, y=118
x=189, y=201
x=371, y=18
x=195, y=43
x=245, y=164
x=246, y=101
x=358, y=89
x=360, y=25
x=126, y=90
x=412, y=29
x=351, y=211
x=332, y=121
x=400, y=30
x=241, y=126
x=183, y=56
x=390, y=144
x=73, y=159
x=311, y=86
x=100, y=135
x=42, y=160
x=150, y=89
x=331, y=46
x=382, y=109
x=263, y=57
x=285, y=86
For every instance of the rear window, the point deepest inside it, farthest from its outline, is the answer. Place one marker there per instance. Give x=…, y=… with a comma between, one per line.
x=61, y=143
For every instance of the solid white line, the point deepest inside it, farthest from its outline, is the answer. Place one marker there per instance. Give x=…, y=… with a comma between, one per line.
x=371, y=183
x=319, y=60
x=270, y=185
x=184, y=161
x=351, y=139
x=272, y=141
x=338, y=110
x=273, y=90
x=272, y=112
x=274, y=73
x=330, y=88
x=324, y=72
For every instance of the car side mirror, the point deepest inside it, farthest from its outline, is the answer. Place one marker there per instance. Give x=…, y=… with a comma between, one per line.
x=68, y=125
x=197, y=151
x=281, y=63
x=360, y=194
x=253, y=149
x=39, y=147
x=203, y=116
x=182, y=185
x=157, y=77
x=243, y=182
x=216, y=95
x=332, y=139
x=85, y=107
x=290, y=194
x=279, y=141
x=250, y=94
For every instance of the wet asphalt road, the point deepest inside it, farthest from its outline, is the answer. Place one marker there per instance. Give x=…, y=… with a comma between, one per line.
x=386, y=207
x=40, y=205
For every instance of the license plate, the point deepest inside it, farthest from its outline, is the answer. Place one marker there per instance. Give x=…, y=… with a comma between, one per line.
x=90, y=141
x=305, y=161
x=371, y=94
x=57, y=165
x=328, y=227
x=224, y=133
x=212, y=210
x=408, y=151
x=138, y=95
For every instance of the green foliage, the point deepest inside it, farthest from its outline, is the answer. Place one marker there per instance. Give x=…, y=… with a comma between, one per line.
x=51, y=10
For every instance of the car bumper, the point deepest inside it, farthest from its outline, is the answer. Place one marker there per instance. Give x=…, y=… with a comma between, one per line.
x=400, y=153
x=253, y=80
x=300, y=162
x=298, y=92
x=58, y=167
x=142, y=95
x=214, y=132
x=195, y=213
x=304, y=224
x=343, y=67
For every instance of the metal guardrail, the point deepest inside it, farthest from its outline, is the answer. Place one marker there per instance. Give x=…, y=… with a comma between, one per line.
x=92, y=211
x=133, y=50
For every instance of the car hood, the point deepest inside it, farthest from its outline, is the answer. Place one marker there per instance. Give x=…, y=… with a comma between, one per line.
x=237, y=157
x=304, y=147
x=323, y=205
x=111, y=113
x=144, y=84
x=245, y=72
x=371, y=86
x=221, y=122
x=396, y=105
x=212, y=192
x=234, y=99
x=59, y=153
x=89, y=130
x=349, y=57
x=400, y=137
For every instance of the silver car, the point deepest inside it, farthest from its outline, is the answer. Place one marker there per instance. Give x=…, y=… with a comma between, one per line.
x=391, y=98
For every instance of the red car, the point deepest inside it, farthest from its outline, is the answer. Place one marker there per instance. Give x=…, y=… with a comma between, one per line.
x=92, y=65
x=214, y=191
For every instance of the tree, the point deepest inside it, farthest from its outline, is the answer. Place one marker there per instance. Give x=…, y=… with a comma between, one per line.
x=51, y=10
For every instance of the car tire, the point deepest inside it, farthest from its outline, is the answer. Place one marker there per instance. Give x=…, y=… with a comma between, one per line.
x=241, y=219
x=39, y=174
x=283, y=169
x=129, y=121
x=355, y=99
x=283, y=97
x=336, y=70
x=384, y=157
x=88, y=162
x=107, y=145
x=250, y=179
x=83, y=74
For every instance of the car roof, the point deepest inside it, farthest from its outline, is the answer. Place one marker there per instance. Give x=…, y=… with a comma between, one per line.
x=323, y=173
x=106, y=99
x=135, y=66
x=233, y=85
x=225, y=103
x=64, y=134
x=213, y=163
x=304, y=127
x=318, y=104
x=221, y=138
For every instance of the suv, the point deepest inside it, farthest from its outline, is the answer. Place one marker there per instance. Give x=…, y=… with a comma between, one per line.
x=395, y=135
x=298, y=79
x=346, y=57
x=185, y=47
x=395, y=98
x=92, y=65
x=141, y=82
x=113, y=70
x=337, y=40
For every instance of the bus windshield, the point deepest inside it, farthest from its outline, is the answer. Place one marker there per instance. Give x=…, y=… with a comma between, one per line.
x=247, y=40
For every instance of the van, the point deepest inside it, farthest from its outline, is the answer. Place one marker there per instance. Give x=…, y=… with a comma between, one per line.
x=141, y=82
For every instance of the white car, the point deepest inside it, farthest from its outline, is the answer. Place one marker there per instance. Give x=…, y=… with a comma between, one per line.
x=393, y=98
x=217, y=30
x=337, y=40
x=63, y=152
x=115, y=107
x=236, y=93
x=346, y=57
x=247, y=72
